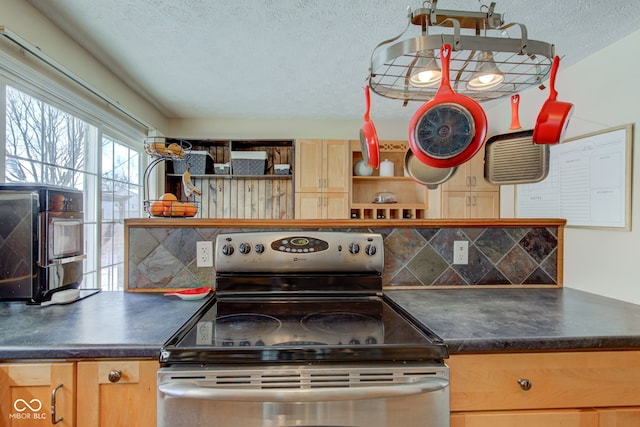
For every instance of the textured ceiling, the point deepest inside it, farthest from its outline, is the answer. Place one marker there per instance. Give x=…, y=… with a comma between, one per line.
x=291, y=59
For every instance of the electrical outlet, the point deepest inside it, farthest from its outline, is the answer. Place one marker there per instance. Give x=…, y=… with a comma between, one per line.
x=204, y=254
x=461, y=252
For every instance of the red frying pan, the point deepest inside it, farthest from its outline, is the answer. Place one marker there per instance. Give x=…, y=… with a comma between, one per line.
x=515, y=116
x=449, y=129
x=369, y=137
x=554, y=116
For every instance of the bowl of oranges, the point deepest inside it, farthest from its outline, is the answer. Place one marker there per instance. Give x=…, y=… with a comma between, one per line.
x=168, y=205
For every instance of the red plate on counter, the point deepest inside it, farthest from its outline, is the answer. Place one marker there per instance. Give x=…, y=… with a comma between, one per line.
x=190, y=294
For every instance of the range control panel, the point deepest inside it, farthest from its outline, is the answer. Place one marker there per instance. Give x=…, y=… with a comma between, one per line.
x=299, y=251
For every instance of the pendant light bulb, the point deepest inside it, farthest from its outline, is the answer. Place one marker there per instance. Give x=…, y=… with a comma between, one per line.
x=426, y=71
x=487, y=74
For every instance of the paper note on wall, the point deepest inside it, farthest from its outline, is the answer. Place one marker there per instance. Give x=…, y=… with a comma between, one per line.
x=588, y=182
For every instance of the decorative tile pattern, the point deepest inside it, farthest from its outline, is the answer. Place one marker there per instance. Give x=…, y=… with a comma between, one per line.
x=414, y=257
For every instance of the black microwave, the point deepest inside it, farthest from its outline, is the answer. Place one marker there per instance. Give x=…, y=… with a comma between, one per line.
x=41, y=241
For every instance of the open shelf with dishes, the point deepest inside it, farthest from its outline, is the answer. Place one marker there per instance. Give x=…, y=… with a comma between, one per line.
x=395, y=196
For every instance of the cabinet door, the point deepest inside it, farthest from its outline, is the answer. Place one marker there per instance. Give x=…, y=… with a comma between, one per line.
x=26, y=394
x=336, y=205
x=308, y=205
x=117, y=393
x=322, y=205
x=337, y=171
x=619, y=417
x=564, y=418
x=485, y=204
x=456, y=204
x=460, y=181
x=470, y=177
x=309, y=165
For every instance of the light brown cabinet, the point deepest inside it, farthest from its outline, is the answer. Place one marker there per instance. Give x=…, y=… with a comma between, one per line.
x=412, y=198
x=468, y=195
x=37, y=394
x=322, y=179
x=594, y=389
x=87, y=394
x=117, y=393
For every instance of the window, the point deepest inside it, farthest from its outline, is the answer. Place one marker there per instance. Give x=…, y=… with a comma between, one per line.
x=45, y=144
x=121, y=193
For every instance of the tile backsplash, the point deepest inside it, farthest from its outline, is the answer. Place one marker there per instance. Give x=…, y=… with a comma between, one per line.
x=414, y=257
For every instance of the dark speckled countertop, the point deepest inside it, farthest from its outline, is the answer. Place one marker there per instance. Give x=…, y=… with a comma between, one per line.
x=105, y=325
x=487, y=320
x=121, y=324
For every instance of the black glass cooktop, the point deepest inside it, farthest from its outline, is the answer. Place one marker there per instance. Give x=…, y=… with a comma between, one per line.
x=232, y=330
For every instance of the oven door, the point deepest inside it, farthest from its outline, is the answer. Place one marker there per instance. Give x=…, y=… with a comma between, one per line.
x=62, y=238
x=375, y=396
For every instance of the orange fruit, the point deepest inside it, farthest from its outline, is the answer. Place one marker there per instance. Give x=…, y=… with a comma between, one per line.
x=156, y=208
x=167, y=199
x=190, y=209
x=177, y=209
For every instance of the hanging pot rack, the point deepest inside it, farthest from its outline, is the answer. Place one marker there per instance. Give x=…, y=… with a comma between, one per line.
x=523, y=62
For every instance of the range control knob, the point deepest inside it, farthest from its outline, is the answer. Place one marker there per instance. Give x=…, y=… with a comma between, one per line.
x=227, y=249
x=370, y=250
x=259, y=248
x=354, y=248
x=244, y=248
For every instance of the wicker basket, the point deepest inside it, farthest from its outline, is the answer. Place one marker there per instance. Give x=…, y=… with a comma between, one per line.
x=248, y=162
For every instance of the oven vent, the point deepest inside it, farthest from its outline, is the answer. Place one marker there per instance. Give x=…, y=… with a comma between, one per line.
x=316, y=378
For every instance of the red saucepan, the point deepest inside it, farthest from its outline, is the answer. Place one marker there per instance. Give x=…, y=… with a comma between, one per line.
x=515, y=115
x=369, y=137
x=554, y=116
x=449, y=129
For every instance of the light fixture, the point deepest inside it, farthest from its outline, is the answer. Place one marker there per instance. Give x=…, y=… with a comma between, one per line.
x=487, y=74
x=426, y=71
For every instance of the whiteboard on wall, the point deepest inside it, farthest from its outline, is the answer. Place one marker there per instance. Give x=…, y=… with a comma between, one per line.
x=589, y=182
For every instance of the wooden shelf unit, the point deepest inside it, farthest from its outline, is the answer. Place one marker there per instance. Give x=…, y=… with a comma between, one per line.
x=412, y=198
x=268, y=196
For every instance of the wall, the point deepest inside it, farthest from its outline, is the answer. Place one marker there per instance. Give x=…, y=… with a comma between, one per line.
x=165, y=257
x=30, y=25
x=605, y=92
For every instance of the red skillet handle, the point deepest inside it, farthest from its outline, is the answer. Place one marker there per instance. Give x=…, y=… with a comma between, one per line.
x=553, y=93
x=367, y=97
x=445, y=82
x=515, y=118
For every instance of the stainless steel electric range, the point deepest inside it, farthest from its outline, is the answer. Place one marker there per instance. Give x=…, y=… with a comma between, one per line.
x=300, y=333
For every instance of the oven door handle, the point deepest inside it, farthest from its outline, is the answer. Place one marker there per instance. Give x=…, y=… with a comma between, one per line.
x=184, y=390
x=67, y=260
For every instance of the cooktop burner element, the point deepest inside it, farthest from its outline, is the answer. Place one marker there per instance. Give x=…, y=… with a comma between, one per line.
x=243, y=329
x=340, y=322
x=300, y=297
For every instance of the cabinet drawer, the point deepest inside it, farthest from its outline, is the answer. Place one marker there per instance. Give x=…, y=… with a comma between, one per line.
x=551, y=418
x=557, y=380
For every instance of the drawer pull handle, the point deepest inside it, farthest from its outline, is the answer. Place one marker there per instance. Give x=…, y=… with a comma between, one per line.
x=115, y=376
x=54, y=419
x=525, y=384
